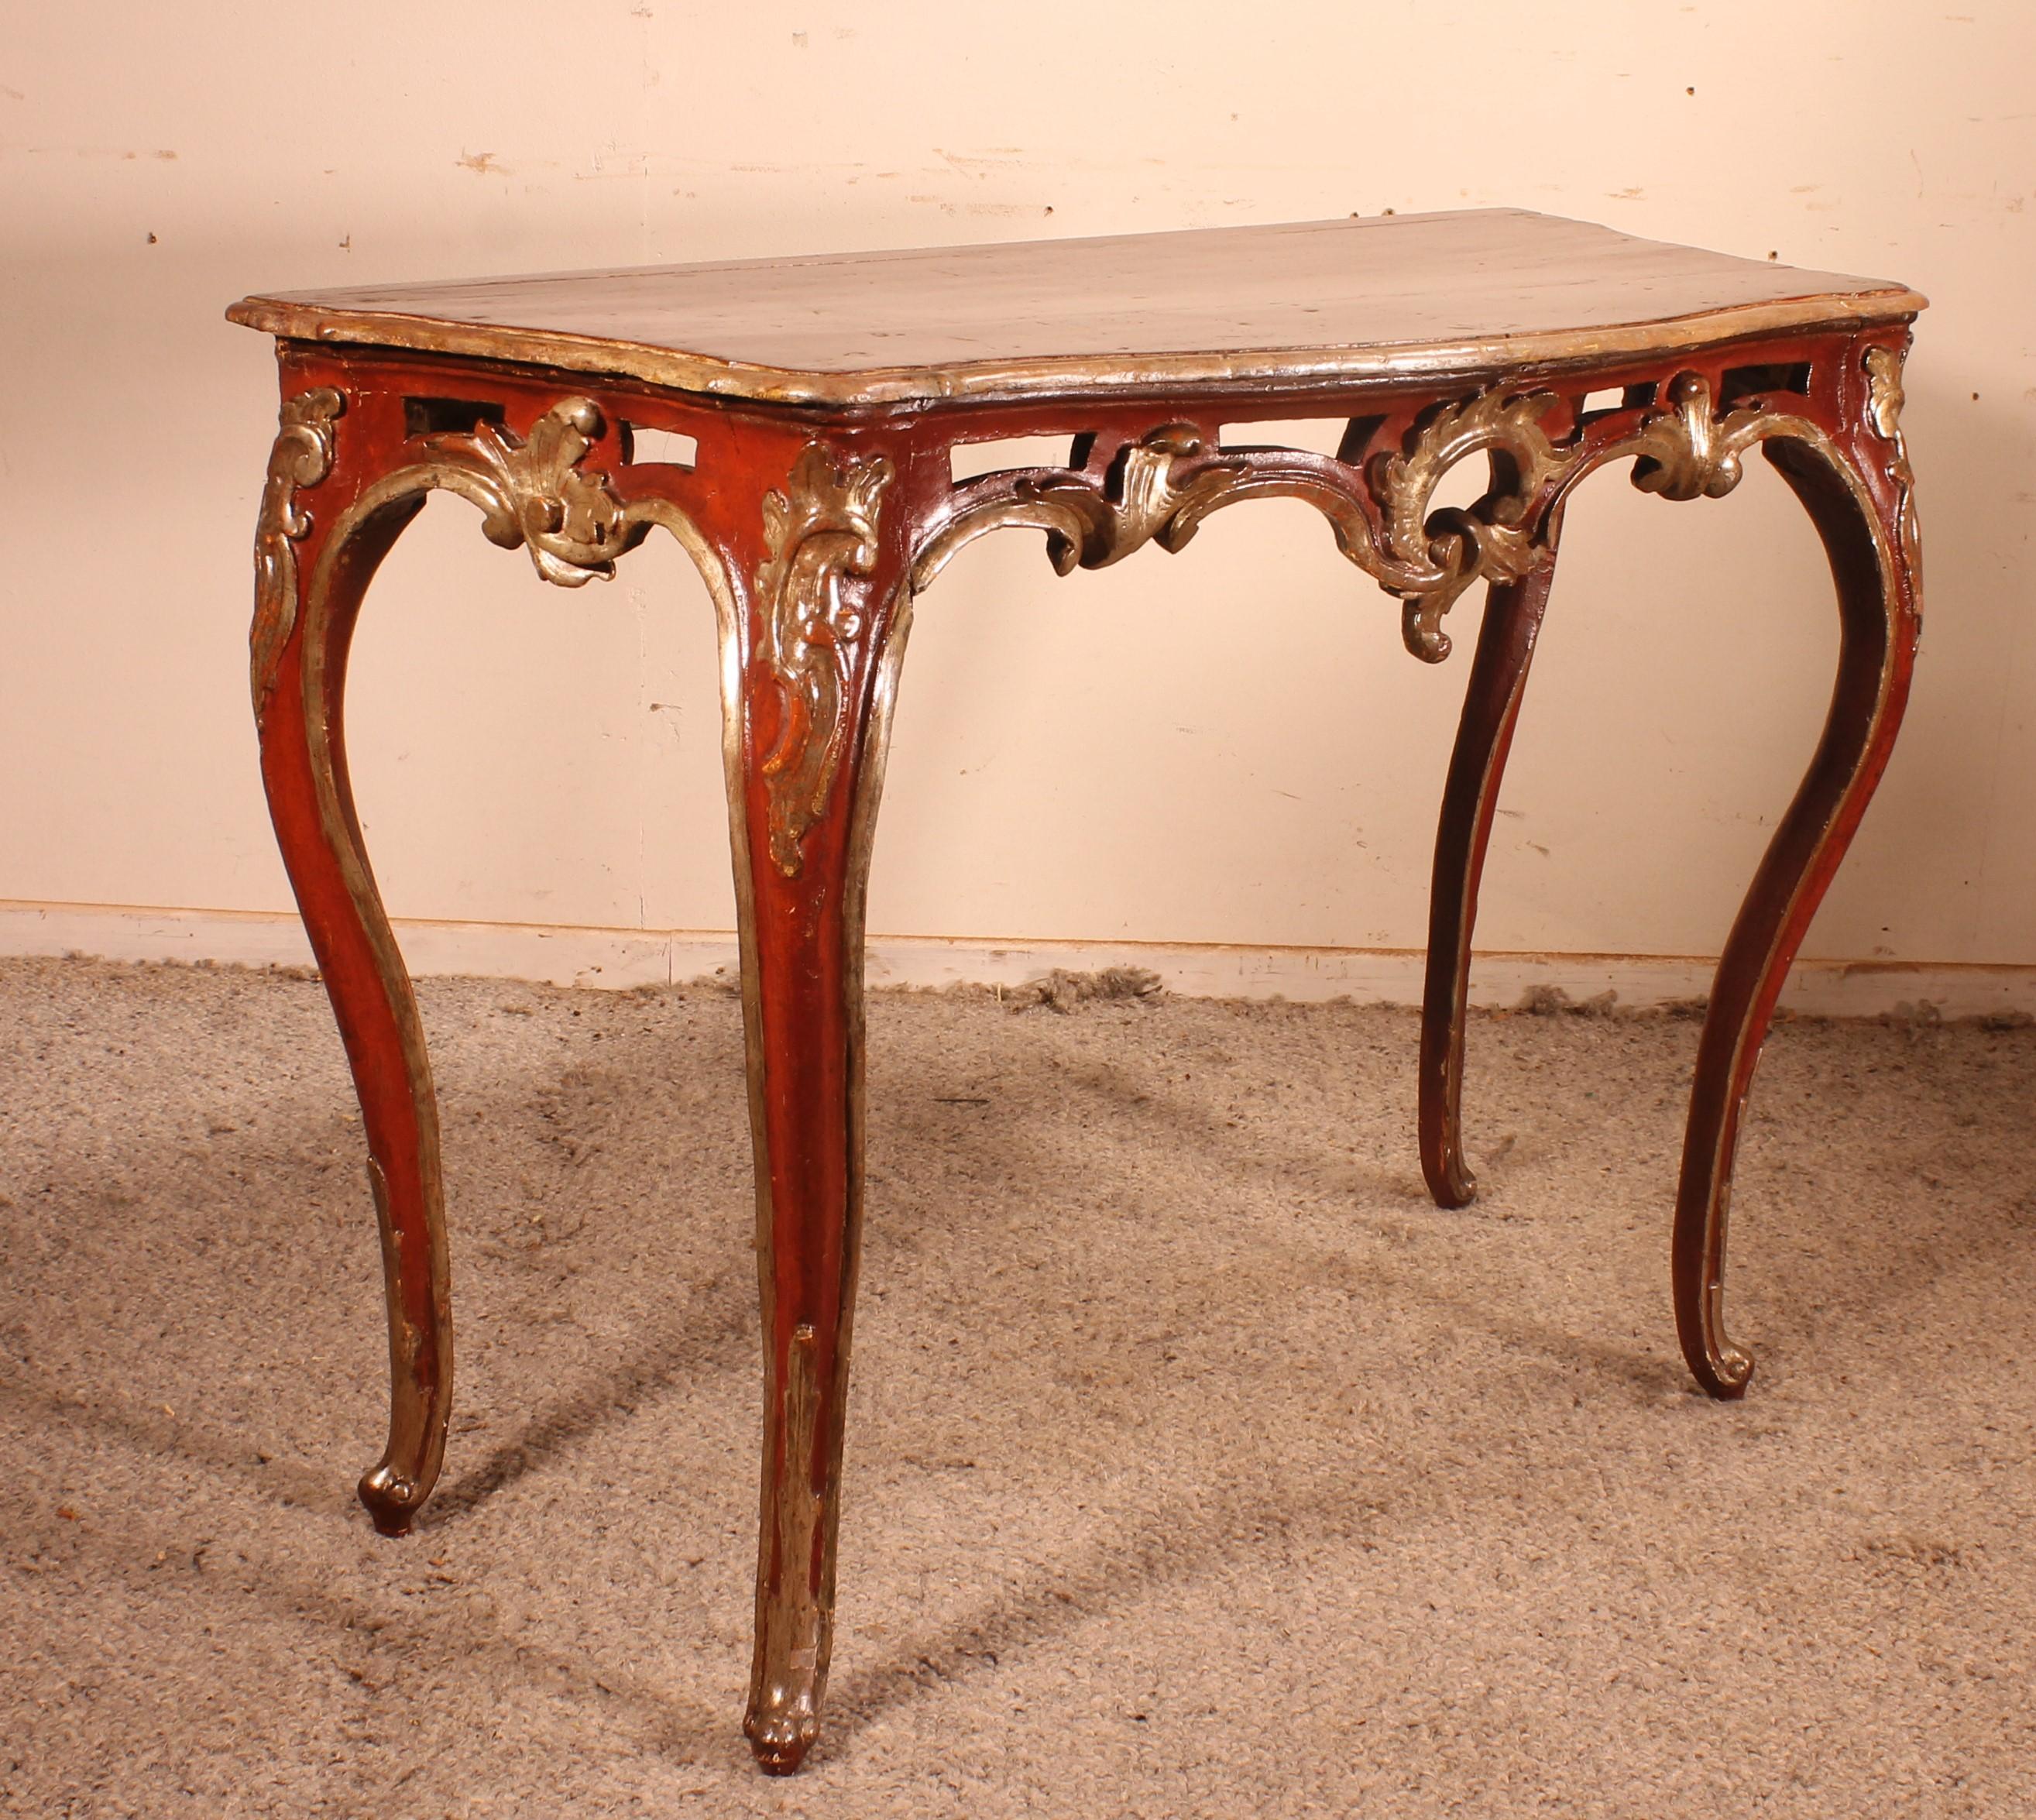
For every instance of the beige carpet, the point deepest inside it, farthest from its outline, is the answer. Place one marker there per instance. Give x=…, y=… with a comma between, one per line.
x=1198, y=1466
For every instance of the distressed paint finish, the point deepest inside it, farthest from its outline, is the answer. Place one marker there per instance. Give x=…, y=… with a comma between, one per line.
x=815, y=531
x=1840, y=447
x=1448, y=299
x=1492, y=695
x=302, y=457
x=818, y=532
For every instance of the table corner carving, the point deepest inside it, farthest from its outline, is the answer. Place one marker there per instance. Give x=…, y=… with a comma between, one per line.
x=533, y=493
x=1885, y=398
x=302, y=457
x=821, y=527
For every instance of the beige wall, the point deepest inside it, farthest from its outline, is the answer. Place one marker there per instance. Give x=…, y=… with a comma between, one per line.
x=1228, y=747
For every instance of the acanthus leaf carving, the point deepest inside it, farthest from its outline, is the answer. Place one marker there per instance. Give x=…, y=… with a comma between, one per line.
x=534, y=494
x=302, y=457
x=1885, y=398
x=1091, y=523
x=1162, y=487
x=1687, y=451
x=1141, y=502
x=820, y=531
x=1429, y=559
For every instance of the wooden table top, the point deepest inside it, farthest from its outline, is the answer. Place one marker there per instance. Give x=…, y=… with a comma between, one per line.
x=1472, y=293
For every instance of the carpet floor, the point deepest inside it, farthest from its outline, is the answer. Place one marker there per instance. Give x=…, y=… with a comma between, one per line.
x=1197, y=1465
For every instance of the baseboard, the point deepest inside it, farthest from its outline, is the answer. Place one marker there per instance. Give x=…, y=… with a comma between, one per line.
x=622, y=958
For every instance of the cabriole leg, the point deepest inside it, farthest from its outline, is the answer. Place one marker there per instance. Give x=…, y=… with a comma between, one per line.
x=299, y=664
x=1512, y=623
x=1858, y=492
x=810, y=678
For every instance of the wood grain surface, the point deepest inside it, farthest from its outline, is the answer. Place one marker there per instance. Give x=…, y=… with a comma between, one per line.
x=1465, y=293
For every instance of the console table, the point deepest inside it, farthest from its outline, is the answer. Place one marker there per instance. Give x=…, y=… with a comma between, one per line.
x=823, y=398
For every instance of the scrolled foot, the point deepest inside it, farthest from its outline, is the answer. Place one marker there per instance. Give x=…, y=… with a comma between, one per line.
x=1854, y=481
x=782, y=1726
x=1725, y=1372
x=1451, y=1185
x=392, y=1498
x=1719, y=1364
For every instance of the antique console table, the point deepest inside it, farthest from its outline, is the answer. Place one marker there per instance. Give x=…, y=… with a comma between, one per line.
x=823, y=398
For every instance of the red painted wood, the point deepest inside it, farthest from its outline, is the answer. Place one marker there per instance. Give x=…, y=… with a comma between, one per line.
x=374, y=1007
x=804, y=928
x=1470, y=799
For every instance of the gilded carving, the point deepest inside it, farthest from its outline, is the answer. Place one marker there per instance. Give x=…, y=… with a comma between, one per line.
x=1097, y=526
x=530, y=491
x=1164, y=486
x=533, y=493
x=1428, y=560
x=1884, y=401
x=789, y=1674
x=1687, y=451
x=820, y=531
x=302, y=457
x=1091, y=523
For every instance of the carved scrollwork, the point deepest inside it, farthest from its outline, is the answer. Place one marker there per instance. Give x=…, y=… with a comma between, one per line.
x=1161, y=487
x=820, y=530
x=1091, y=523
x=1429, y=559
x=302, y=457
x=1884, y=401
x=1687, y=452
x=533, y=494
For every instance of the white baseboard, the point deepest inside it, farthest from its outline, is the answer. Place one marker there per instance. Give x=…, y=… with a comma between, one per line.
x=619, y=958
